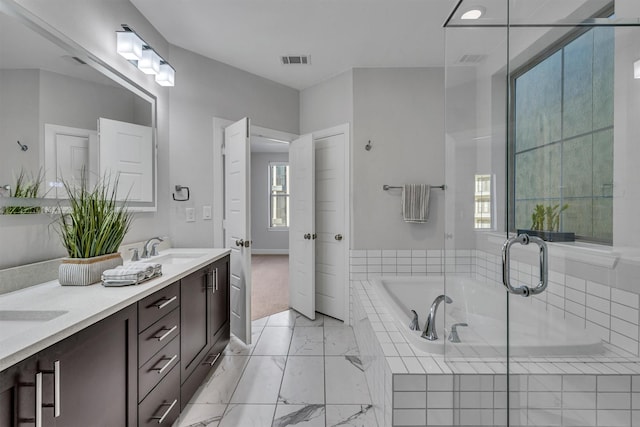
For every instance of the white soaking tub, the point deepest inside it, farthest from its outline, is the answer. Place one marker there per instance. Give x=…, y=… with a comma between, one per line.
x=533, y=330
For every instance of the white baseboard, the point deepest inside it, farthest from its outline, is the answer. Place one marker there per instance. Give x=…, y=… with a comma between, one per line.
x=270, y=251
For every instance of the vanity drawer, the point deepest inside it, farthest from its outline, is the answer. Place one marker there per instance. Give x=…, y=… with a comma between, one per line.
x=164, y=400
x=157, y=305
x=158, y=367
x=156, y=336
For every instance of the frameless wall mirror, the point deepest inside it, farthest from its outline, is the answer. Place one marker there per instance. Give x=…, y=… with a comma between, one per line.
x=66, y=116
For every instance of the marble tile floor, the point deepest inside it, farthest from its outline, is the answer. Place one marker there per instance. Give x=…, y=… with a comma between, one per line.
x=296, y=372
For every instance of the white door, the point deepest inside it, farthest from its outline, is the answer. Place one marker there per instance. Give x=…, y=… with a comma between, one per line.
x=302, y=288
x=68, y=153
x=238, y=224
x=332, y=189
x=126, y=152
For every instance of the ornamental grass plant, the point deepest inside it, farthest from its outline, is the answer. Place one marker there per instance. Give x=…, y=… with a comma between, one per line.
x=95, y=222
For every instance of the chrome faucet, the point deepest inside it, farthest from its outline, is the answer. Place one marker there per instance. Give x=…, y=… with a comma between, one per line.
x=154, y=252
x=430, y=326
x=453, y=336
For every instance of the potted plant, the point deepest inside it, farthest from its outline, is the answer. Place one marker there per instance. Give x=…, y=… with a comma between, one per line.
x=92, y=229
x=545, y=222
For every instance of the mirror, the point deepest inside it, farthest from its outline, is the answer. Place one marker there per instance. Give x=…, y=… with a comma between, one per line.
x=52, y=95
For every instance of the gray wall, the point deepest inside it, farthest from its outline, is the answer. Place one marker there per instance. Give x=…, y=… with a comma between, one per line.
x=19, y=118
x=206, y=88
x=327, y=104
x=400, y=111
x=265, y=240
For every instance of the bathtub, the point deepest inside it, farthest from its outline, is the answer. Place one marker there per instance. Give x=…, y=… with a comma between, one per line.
x=533, y=330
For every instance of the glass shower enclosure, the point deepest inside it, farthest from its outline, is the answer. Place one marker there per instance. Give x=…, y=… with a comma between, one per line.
x=542, y=144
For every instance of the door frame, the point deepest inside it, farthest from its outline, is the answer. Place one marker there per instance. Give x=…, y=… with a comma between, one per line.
x=218, y=170
x=344, y=129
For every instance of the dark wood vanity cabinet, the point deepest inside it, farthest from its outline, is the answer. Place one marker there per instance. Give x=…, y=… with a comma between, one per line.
x=139, y=366
x=205, y=323
x=94, y=371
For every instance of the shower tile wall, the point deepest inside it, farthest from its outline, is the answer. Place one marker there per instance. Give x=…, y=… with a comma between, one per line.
x=365, y=264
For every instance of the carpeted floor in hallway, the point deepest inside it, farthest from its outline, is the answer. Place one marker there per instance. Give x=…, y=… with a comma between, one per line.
x=269, y=285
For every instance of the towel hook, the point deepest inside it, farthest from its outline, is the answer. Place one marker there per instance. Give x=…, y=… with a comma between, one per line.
x=368, y=146
x=23, y=147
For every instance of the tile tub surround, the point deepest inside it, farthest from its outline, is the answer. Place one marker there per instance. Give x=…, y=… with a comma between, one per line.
x=409, y=389
x=297, y=372
x=596, y=293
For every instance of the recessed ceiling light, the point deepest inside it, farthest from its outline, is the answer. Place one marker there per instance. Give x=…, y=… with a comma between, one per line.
x=474, y=13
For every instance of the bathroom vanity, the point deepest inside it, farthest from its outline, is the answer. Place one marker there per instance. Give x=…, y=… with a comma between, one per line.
x=80, y=356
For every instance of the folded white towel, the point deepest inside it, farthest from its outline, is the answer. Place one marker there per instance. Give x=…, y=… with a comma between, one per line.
x=415, y=202
x=116, y=282
x=123, y=274
x=149, y=269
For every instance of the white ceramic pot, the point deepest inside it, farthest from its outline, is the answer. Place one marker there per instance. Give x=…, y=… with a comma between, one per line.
x=86, y=271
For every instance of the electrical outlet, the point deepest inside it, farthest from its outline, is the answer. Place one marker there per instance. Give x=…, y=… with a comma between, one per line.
x=206, y=212
x=190, y=214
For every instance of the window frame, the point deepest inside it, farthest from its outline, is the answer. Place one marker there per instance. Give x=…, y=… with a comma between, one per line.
x=270, y=196
x=549, y=51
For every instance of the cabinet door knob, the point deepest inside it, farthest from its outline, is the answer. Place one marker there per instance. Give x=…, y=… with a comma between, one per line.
x=338, y=237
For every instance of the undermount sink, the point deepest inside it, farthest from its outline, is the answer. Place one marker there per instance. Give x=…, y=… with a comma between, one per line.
x=29, y=315
x=176, y=258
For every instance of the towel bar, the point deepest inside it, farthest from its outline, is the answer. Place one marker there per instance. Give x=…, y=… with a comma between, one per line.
x=386, y=187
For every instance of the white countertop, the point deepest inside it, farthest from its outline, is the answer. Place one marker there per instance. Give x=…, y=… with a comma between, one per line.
x=84, y=305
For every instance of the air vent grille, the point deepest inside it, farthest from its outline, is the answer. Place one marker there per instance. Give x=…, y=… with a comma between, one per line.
x=296, y=59
x=471, y=58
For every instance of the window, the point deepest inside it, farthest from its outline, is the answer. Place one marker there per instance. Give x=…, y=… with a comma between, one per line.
x=562, y=138
x=482, y=212
x=278, y=195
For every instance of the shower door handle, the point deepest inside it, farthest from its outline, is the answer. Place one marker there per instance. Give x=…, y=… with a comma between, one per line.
x=525, y=291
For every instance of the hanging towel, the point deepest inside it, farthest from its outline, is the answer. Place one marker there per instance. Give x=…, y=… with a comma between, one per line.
x=415, y=202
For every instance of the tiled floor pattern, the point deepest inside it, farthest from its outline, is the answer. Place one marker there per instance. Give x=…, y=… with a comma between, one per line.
x=297, y=373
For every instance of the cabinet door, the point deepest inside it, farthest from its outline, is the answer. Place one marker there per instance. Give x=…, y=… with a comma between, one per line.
x=17, y=393
x=220, y=305
x=195, y=303
x=97, y=370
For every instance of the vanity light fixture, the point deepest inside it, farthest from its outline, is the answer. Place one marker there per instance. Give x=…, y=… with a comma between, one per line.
x=133, y=48
x=636, y=69
x=474, y=13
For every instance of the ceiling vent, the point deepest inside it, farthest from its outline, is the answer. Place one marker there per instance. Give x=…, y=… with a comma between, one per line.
x=471, y=59
x=296, y=59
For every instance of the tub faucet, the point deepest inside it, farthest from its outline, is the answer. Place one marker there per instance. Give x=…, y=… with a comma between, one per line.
x=430, y=326
x=414, y=326
x=145, y=251
x=453, y=336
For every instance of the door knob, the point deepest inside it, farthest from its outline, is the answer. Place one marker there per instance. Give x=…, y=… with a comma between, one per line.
x=307, y=236
x=338, y=237
x=247, y=243
x=240, y=242
x=314, y=236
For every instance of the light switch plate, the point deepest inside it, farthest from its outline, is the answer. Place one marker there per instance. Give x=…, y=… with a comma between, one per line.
x=190, y=214
x=206, y=212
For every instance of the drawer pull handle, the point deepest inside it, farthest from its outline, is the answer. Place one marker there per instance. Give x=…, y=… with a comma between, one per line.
x=166, y=334
x=161, y=305
x=215, y=359
x=166, y=365
x=57, y=409
x=170, y=407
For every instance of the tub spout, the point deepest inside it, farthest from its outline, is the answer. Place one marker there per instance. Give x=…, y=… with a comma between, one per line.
x=430, y=326
x=414, y=325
